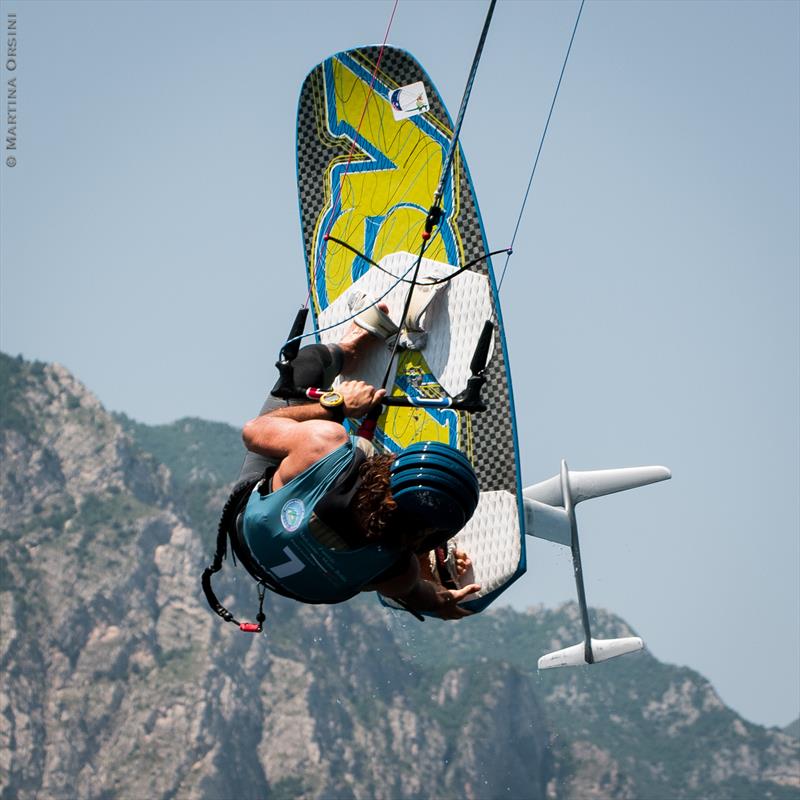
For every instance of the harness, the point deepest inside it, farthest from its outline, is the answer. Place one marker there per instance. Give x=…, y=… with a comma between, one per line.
x=271, y=537
x=275, y=530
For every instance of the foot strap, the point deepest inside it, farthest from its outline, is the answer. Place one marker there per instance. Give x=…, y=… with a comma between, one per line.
x=371, y=318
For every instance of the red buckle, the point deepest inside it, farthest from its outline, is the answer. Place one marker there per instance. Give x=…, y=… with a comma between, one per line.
x=250, y=627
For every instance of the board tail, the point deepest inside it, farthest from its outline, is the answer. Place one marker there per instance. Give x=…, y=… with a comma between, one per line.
x=550, y=514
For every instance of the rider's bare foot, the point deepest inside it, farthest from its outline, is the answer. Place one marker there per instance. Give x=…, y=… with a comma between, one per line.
x=353, y=342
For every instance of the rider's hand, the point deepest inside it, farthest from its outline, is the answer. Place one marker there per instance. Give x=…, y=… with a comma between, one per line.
x=448, y=600
x=359, y=397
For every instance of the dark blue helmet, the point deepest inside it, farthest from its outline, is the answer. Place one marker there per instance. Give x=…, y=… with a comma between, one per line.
x=436, y=491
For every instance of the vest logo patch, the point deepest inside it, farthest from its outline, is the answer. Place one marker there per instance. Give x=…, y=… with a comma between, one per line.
x=292, y=514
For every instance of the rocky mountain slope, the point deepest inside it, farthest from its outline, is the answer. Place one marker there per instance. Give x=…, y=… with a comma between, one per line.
x=117, y=682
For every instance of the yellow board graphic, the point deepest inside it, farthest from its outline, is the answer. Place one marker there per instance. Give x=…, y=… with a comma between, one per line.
x=377, y=198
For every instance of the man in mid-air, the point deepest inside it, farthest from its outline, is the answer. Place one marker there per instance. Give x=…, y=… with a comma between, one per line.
x=323, y=516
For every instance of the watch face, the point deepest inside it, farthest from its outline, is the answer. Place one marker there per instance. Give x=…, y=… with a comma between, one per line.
x=331, y=400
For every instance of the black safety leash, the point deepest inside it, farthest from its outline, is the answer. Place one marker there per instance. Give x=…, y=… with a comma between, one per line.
x=225, y=531
x=221, y=553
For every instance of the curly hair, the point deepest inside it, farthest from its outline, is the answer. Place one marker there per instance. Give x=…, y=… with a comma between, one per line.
x=373, y=504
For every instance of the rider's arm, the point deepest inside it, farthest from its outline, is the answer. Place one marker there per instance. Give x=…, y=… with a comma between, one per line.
x=299, y=436
x=419, y=594
x=430, y=596
x=297, y=444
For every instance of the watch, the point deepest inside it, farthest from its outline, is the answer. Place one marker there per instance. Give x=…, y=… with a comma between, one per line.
x=333, y=401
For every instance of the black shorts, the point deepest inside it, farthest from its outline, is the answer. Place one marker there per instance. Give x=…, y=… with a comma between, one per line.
x=315, y=365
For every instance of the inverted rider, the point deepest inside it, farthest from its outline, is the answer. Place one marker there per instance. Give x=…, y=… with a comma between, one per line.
x=319, y=516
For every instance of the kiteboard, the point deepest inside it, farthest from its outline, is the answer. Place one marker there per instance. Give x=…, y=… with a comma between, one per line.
x=373, y=136
x=373, y=140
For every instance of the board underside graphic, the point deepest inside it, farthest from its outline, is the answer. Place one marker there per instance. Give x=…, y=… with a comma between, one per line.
x=375, y=197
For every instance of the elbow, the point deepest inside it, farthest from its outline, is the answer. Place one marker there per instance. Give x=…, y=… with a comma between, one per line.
x=250, y=434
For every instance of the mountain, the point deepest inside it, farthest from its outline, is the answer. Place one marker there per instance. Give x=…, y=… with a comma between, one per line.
x=201, y=456
x=117, y=682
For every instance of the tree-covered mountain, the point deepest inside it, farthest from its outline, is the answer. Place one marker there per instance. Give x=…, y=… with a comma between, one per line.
x=117, y=682
x=203, y=459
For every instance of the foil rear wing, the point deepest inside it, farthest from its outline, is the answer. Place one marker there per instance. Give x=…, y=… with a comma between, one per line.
x=550, y=514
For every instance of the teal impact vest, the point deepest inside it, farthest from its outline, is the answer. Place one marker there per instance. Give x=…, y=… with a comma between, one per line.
x=275, y=528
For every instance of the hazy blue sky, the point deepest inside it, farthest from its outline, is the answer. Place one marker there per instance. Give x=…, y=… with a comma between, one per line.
x=151, y=243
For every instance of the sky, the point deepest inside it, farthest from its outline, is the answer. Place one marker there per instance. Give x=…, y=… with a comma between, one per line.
x=151, y=244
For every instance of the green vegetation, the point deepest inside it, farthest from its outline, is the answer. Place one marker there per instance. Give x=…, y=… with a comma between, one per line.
x=52, y=520
x=287, y=789
x=109, y=511
x=14, y=379
x=203, y=458
x=193, y=449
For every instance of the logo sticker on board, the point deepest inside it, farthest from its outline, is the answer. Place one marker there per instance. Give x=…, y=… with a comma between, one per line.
x=292, y=514
x=408, y=101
